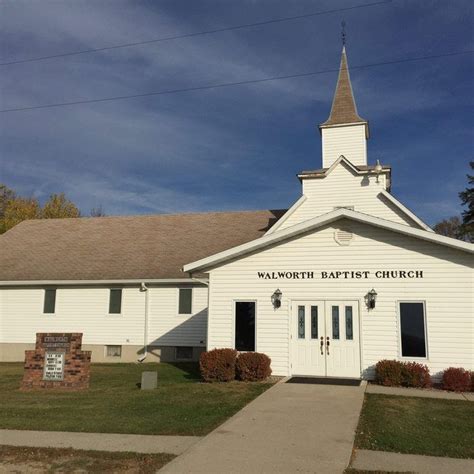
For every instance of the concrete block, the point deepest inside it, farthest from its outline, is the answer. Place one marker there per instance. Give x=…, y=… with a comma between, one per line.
x=149, y=380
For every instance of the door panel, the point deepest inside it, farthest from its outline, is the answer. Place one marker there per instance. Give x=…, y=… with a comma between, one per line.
x=325, y=338
x=343, y=359
x=307, y=328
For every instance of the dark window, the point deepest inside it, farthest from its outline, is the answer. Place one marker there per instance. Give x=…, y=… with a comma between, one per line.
x=335, y=322
x=114, y=351
x=412, y=327
x=245, y=326
x=185, y=300
x=314, y=322
x=184, y=353
x=49, y=301
x=115, y=301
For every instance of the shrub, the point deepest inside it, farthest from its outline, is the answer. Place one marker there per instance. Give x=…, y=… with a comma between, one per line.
x=456, y=379
x=472, y=381
x=253, y=366
x=416, y=375
x=393, y=373
x=218, y=365
x=389, y=373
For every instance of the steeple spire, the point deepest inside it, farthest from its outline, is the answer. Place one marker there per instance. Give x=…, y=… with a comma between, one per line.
x=343, y=110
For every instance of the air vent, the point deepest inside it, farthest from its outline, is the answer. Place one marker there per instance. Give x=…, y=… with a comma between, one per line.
x=343, y=236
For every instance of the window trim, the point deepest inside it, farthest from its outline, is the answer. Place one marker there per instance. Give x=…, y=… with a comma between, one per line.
x=178, y=289
x=399, y=331
x=121, y=303
x=55, y=300
x=106, y=356
x=244, y=300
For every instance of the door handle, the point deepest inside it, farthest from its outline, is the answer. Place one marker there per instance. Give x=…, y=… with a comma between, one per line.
x=327, y=345
x=322, y=345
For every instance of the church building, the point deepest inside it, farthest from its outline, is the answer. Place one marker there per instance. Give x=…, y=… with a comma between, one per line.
x=345, y=277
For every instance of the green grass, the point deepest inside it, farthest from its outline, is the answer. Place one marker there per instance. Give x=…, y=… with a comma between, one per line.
x=181, y=405
x=410, y=425
x=60, y=460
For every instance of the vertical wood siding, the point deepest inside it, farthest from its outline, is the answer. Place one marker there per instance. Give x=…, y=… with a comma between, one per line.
x=447, y=289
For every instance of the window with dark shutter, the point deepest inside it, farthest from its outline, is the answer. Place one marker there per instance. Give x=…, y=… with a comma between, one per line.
x=49, y=305
x=115, y=301
x=185, y=300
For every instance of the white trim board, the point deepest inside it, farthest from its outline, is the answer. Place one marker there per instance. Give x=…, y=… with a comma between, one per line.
x=163, y=281
x=405, y=210
x=319, y=221
x=287, y=214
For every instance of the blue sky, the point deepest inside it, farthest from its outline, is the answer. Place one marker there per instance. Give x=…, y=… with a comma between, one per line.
x=237, y=147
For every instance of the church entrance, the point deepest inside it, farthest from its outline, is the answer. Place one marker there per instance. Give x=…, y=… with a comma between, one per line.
x=325, y=338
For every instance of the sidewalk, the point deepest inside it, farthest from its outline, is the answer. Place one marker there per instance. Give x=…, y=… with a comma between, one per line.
x=385, y=461
x=419, y=392
x=98, y=441
x=289, y=428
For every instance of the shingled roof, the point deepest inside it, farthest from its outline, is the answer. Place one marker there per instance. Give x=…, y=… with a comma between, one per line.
x=343, y=108
x=123, y=248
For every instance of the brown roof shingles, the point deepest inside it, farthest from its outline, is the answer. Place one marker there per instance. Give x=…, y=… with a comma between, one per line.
x=121, y=248
x=343, y=108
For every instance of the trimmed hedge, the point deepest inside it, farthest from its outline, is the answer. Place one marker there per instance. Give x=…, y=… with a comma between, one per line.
x=393, y=373
x=218, y=365
x=253, y=366
x=456, y=379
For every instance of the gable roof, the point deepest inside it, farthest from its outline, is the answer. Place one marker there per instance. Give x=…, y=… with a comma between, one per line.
x=123, y=248
x=343, y=110
x=312, y=224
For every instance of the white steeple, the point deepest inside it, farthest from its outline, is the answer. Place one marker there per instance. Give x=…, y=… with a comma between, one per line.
x=344, y=132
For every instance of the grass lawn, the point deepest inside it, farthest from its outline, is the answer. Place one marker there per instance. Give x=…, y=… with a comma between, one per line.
x=181, y=405
x=429, y=426
x=20, y=459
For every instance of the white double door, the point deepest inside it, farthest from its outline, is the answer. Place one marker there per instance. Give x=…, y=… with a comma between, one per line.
x=325, y=338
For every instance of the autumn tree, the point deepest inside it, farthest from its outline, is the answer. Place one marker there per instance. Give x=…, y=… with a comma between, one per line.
x=98, y=212
x=15, y=209
x=19, y=209
x=59, y=207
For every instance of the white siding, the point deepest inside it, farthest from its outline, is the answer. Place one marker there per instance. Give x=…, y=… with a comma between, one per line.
x=344, y=188
x=447, y=289
x=349, y=141
x=167, y=327
x=85, y=310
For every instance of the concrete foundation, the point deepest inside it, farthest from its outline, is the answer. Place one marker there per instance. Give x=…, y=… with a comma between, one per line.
x=15, y=352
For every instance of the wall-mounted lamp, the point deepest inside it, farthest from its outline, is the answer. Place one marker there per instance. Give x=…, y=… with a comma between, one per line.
x=371, y=298
x=276, y=299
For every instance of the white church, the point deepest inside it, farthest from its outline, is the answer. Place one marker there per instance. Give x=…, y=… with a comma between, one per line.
x=345, y=277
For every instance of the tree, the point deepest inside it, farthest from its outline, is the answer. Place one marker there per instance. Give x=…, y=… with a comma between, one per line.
x=98, y=212
x=450, y=227
x=19, y=209
x=6, y=194
x=59, y=207
x=467, y=199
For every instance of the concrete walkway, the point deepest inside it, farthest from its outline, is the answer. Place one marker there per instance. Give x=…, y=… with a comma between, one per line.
x=384, y=461
x=289, y=428
x=98, y=441
x=419, y=392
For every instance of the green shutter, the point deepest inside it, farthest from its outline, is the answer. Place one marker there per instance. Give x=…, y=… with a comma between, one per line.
x=115, y=301
x=185, y=300
x=49, y=301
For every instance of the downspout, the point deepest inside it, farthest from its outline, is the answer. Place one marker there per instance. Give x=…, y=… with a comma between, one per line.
x=144, y=288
